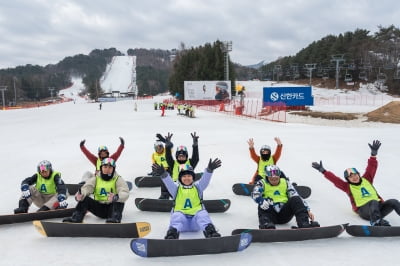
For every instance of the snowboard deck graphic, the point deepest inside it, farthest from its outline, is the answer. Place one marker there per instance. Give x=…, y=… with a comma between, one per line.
x=246, y=189
x=298, y=234
x=373, y=231
x=121, y=230
x=182, y=247
x=164, y=205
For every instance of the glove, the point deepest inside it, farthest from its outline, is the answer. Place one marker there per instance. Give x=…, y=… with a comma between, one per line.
x=158, y=170
x=122, y=141
x=318, y=166
x=195, y=139
x=25, y=191
x=213, y=165
x=62, y=201
x=82, y=143
x=168, y=143
x=113, y=197
x=160, y=137
x=256, y=194
x=79, y=195
x=376, y=144
x=266, y=204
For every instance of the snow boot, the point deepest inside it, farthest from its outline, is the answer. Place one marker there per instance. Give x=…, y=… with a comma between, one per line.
x=43, y=208
x=172, y=233
x=210, y=231
x=304, y=222
x=77, y=217
x=267, y=226
x=116, y=214
x=380, y=222
x=23, y=206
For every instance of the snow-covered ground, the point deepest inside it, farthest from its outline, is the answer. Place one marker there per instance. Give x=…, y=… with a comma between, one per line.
x=120, y=74
x=54, y=132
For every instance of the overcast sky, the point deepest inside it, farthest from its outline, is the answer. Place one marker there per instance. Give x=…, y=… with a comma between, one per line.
x=45, y=31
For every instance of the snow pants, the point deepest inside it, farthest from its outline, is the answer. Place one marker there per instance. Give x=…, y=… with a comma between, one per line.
x=190, y=223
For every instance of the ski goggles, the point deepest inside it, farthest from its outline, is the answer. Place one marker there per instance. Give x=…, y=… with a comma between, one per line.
x=273, y=172
x=102, y=148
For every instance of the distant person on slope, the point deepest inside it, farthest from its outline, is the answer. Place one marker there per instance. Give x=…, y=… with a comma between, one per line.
x=182, y=158
x=110, y=192
x=264, y=159
x=102, y=154
x=364, y=198
x=45, y=189
x=278, y=201
x=188, y=214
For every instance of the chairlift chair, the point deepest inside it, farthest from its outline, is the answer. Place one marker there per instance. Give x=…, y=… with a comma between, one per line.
x=363, y=75
x=381, y=77
x=348, y=78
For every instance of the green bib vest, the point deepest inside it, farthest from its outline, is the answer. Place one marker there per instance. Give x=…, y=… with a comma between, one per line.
x=175, y=171
x=187, y=200
x=363, y=193
x=262, y=164
x=46, y=185
x=276, y=193
x=104, y=187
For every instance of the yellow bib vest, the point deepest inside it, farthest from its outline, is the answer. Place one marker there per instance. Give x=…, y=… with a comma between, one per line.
x=175, y=171
x=160, y=159
x=187, y=200
x=262, y=164
x=276, y=193
x=46, y=185
x=104, y=187
x=363, y=193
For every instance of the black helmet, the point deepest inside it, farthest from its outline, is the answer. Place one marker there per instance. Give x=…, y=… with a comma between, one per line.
x=181, y=150
x=185, y=169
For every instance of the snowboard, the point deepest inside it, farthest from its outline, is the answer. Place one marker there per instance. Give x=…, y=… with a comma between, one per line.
x=164, y=205
x=298, y=234
x=121, y=230
x=155, y=181
x=373, y=231
x=246, y=189
x=182, y=247
x=31, y=216
x=73, y=188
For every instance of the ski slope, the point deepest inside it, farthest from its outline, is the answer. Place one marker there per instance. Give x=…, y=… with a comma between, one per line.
x=120, y=75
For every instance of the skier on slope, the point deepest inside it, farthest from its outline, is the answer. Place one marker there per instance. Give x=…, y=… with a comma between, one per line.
x=102, y=154
x=278, y=201
x=188, y=214
x=45, y=189
x=264, y=159
x=364, y=198
x=182, y=158
x=110, y=192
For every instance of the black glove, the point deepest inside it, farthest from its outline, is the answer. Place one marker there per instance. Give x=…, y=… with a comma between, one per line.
x=213, y=165
x=318, y=166
x=195, y=139
x=158, y=170
x=122, y=141
x=82, y=143
x=168, y=143
x=376, y=144
x=160, y=137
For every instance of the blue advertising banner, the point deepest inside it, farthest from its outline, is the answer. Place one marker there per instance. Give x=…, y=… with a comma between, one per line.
x=290, y=96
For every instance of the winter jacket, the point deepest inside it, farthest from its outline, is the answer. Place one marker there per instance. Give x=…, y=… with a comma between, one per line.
x=60, y=186
x=343, y=185
x=256, y=158
x=93, y=158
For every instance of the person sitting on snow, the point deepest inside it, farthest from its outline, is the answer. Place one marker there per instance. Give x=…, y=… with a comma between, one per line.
x=278, y=201
x=110, y=192
x=188, y=214
x=364, y=198
x=45, y=189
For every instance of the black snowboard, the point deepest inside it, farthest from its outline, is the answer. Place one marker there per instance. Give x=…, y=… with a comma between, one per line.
x=73, y=188
x=373, y=231
x=246, y=189
x=299, y=234
x=182, y=247
x=31, y=216
x=123, y=230
x=155, y=181
x=164, y=205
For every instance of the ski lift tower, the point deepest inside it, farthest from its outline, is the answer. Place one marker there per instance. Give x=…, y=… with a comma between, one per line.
x=337, y=58
x=310, y=68
x=2, y=89
x=226, y=48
